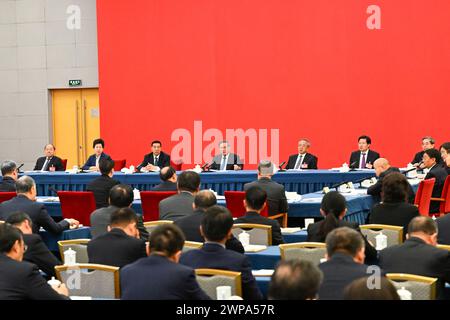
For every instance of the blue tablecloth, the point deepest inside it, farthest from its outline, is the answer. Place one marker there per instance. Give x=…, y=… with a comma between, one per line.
x=301, y=182
x=263, y=284
x=51, y=240
x=299, y=236
x=266, y=259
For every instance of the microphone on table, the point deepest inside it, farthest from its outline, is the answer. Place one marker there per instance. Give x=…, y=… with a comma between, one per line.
x=353, y=165
x=205, y=166
x=337, y=185
x=18, y=168
x=280, y=167
x=53, y=190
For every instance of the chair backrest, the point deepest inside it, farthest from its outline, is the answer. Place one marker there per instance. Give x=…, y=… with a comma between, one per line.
x=445, y=205
x=310, y=251
x=5, y=196
x=93, y=280
x=423, y=196
x=77, y=205
x=394, y=234
x=177, y=164
x=77, y=245
x=191, y=245
x=64, y=164
x=421, y=288
x=150, y=203
x=151, y=225
x=235, y=203
x=119, y=164
x=443, y=247
x=210, y=279
x=260, y=234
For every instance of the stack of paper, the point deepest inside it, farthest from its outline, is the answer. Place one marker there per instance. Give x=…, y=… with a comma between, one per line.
x=263, y=273
x=290, y=230
x=254, y=248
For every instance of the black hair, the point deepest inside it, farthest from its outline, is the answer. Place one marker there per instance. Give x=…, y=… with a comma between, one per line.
x=98, y=141
x=105, y=165
x=445, y=146
x=367, y=138
x=333, y=204
x=123, y=217
x=156, y=141
x=394, y=188
x=188, y=181
x=433, y=153
x=205, y=199
x=166, y=174
x=344, y=240
x=8, y=237
x=422, y=224
x=121, y=196
x=359, y=290
x=18, y=217
x=216, y=223
x=167, y=238
x=255, y=197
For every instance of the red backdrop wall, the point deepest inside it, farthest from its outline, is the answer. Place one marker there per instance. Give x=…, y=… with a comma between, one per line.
x=310, y=68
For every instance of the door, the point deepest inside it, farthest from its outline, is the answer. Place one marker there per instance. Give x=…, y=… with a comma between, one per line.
x=76, y=123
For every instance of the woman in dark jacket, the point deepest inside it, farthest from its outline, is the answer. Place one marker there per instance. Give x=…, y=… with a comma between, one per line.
x=333, y=208
x=445, y=153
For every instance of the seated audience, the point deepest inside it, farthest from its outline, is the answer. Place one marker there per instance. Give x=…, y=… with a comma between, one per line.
x=190, y=225
x=156, y=160
x=121, y=245
x=276, y=196
x=255, y=201
x=180, y=205
x=364, y=157
x=25, y=201
x=334, y=208
x=21, y=280
x=443, y=224
x=432, y=162
x=302, y=160
x=418, y=254
x=159, y=276
x=216, y=229
x=9, y=176
x=49, y=162
x=445, y=154
x=37, y=251
x=295, y=280
x=120, y=196
x=394, y=210
x=102, y=185
x=427, y=143
x=168, y=176
x=345, y=254
x=92, y=162
x=359, y=290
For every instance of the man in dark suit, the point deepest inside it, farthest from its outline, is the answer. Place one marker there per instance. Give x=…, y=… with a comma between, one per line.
x=345, y=254
x=276, y=195
x=382, y=169
x=50, y=162
x=103, y=184
x=216, y=229
x=364, y=157
x=180, y=205
x=156, y=160
x=418, y=254
x=427, y=143
x=302, y=160
x=121, y=245
x=431, y=161
x=21, y=280
x=226, y=160
x=190, y=225
x=443, y=224
x=92, y=162
x=159, y=276
x=9, y=176
x=37, y=252
x=120, y=196
x=255, y=201
x=25, y=201
x=168, y=175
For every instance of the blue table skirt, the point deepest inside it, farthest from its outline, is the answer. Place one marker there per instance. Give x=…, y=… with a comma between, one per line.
x=299, y=236
x=51, y=240
x=266, y=259
x=302, y=182
x=263, y=284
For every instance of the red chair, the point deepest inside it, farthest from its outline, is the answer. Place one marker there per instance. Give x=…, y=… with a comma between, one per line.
x=444, y=208
x=423, y=196
x=150, y=203
x=77, y=205
x=64, y=164
x=5, y=196
x=119, y=164
x=176, y=165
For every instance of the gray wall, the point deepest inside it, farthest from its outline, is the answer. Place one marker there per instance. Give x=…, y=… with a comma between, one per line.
x=37, y=53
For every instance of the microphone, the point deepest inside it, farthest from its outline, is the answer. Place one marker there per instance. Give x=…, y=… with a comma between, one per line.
x=18, y=168
x=204, y=166
x=280, y=167
x=337, y=185
x=53, y=190
x=353, y=165
x=409, y=170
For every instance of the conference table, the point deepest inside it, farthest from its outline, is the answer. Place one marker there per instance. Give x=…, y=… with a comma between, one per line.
x=51, y=240
x=300, y=181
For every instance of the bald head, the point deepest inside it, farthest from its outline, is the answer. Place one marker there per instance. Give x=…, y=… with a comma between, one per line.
x=168, y=174
x=381, y=165
x=204, y=199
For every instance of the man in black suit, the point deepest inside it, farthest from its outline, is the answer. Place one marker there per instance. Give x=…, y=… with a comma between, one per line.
x=121, y=245
x=443, y=224
x=9, y=176
x=103, y=184
x=21, y=280
x=37, y=252
x=382, y=169
x=159, y=276
x=190, y=225
x=156, y=160
x=364, y=157
x=345, y=262
x=50, y=162
x=418, y=254
x=226, y=160
x=120, y=196
x=168, y=176
x=255, y=201
x=216, y=229
x=427, y=143
x=302, y=160
x=25, y=201
x=180, y=205
x=431, y=161
x=276, y=195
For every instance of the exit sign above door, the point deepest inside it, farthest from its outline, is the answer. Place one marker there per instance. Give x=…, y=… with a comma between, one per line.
x=74, y=83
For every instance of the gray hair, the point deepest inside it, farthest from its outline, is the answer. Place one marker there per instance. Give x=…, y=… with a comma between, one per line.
x=306, y=140
x=24, y=184
x=429, y=138
x=344, y=240
x=265, y=167
x=8, y=167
